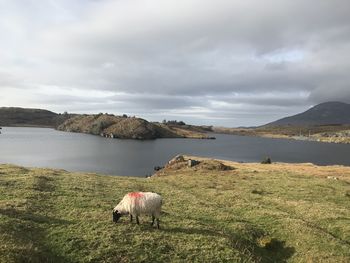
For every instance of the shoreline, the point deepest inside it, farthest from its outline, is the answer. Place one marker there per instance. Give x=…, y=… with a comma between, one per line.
x=189, y=134
x=274, y=166
x=333, y=136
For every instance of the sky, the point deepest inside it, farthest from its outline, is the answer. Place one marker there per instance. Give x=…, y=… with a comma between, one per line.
x=216, y=62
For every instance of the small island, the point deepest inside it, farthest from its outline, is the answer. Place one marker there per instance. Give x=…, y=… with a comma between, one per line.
x=125, y=127
x=103, y=124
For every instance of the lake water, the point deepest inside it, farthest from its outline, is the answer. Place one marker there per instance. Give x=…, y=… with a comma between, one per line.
x=42, y=147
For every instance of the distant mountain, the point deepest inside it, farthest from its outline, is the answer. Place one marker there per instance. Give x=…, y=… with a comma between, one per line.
x=11, y=116
x=328, y=113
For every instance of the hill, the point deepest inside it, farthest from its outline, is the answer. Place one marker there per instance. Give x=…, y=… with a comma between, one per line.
x=107, y=125
x=13, y=116
x=326, y=122
x=328, y=113
x=124, y=127
x=249, y=213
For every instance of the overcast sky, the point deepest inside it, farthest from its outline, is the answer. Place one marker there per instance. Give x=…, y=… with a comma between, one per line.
x=219, y=62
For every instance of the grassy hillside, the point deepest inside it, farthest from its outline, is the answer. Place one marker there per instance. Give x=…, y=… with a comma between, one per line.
x=249, y=213
x=11, y=116
x=322, y=114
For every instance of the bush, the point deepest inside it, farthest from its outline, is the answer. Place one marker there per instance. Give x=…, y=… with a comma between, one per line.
x=267, y=160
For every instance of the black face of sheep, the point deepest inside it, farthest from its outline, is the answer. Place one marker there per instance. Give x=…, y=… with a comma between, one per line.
x=116, y=216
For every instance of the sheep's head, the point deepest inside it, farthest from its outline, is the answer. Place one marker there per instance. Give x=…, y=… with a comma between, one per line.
x=116, y=216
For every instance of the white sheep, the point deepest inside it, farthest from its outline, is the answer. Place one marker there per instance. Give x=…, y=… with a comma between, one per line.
x=139, y=203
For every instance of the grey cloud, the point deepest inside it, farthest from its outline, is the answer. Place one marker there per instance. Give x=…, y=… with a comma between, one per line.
x=331, y=93
x=179, y=58
x=7, y=79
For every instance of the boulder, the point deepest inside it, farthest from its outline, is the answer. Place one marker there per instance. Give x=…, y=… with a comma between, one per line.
x=192, y=163
x=177, y=159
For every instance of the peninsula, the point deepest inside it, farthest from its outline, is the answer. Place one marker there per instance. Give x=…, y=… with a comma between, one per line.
x=104, y=124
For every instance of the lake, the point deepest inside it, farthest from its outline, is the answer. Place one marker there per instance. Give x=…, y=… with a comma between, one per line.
x=44, y=147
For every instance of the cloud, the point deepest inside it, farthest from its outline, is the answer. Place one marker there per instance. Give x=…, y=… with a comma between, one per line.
x=222, y=62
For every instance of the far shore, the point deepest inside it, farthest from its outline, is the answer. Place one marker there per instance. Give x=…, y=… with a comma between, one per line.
x=327, y=134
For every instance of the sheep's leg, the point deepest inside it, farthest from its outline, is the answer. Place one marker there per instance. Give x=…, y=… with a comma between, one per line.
x=130, y=218
x=152, y=220
x=158, y=223
x=137, y=220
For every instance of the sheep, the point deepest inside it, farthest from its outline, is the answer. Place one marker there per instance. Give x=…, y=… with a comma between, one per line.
x=137, y=203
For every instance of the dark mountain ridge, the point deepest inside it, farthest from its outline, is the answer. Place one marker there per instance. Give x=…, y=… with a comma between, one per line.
x=328, y=113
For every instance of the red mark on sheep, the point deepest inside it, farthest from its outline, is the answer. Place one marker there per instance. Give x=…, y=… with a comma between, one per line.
x=135, y=194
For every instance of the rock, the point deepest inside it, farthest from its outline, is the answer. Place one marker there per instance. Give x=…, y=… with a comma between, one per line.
x=192, y=163
x=157, y=168
x=177, y=159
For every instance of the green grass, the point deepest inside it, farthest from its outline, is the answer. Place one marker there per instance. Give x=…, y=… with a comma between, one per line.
x=242, y=215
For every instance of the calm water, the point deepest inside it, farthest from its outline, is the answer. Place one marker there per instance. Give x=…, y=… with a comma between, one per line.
x=43, y=147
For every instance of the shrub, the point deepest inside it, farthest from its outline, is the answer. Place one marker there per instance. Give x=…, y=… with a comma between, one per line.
x=267, y=160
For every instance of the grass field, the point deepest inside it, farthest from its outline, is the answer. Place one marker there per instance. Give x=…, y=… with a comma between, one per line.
x=251, y=213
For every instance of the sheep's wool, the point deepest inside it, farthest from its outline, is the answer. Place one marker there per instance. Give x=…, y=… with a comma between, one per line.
x=137, y=203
